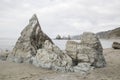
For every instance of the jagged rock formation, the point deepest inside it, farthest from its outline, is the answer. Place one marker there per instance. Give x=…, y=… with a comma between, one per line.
x=51, y=57
x=115, y=33
x=32, y=38
x=116, y=45
x=88, y=51
x=35, y=47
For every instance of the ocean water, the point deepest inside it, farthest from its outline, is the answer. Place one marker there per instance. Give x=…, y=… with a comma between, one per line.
x=105, y=43
x=8, y=44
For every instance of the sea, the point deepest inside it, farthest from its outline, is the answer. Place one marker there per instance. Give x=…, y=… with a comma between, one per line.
x=8, y=43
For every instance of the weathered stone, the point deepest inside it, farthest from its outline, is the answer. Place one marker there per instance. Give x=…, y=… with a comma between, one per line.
x=35, y=47
x=89, y=50
x=82, y=67
x=71, y=49
x=4, y=54
x=32, y=38
x=51, y=57
x=116, y=45
x=95, y=53
x=85, y=54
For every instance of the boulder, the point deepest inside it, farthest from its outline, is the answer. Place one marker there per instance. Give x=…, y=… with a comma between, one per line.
x=32, y=38
x=51, y=57
x=89, y=50
x=116, y=45
x=82, y=67
x=92, y=47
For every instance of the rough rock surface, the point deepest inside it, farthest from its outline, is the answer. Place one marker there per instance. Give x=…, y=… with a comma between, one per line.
x=35, y=47
x=83, y=68
x=116, y=45
x=51, y=57
x=71, y=49
x=89, y=50
x=93, y=48
x=32, y=38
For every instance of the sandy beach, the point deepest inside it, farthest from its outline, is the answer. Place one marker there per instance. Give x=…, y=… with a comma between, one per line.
x=60, y=40
x=15, y=71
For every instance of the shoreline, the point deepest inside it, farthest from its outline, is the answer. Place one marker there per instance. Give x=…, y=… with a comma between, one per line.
x=8, y=44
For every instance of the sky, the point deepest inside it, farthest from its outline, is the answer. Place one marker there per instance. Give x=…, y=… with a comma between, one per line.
x=64, y=17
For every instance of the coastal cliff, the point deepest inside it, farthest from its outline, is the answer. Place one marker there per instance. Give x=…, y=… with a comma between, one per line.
x=110, y=34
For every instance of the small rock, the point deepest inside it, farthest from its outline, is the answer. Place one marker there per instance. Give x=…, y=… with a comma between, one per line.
x=4, y=54
x=116, y=45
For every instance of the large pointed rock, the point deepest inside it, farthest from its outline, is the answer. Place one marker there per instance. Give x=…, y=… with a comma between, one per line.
x=32, y=38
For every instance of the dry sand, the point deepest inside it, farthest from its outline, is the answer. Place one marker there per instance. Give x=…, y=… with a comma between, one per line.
x=14, y=71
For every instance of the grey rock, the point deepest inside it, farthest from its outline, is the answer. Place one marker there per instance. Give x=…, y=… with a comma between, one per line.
x=51, y=57
x=95, y=53
x=89, y=50
x=32, y=38
x=35, y=47
x=71, y=49
x=85, y=54
x=4, y=54
x=82, y=67
x=116, y=45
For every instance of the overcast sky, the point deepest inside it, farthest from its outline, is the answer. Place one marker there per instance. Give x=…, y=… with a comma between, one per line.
x=64, y=17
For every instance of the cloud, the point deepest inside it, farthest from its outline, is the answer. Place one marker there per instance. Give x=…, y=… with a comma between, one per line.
x=62, y=17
